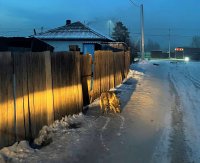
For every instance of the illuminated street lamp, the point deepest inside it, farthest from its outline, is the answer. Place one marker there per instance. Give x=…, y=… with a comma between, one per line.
x=109, y=27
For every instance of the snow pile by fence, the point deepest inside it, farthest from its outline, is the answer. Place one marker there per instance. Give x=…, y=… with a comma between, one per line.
x=133, y=73
x=22, y=149
x=45, y=136
x=15, y=152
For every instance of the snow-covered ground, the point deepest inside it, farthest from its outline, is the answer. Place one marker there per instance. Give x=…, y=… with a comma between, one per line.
x=159, y=123
x=186, y=78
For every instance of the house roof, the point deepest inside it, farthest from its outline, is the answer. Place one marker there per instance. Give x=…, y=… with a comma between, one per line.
x=23, y=44
x=72, y=31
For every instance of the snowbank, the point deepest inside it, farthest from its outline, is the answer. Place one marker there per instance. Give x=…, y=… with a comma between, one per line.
x=22, y=149
x=45, y=136
x=16, y=152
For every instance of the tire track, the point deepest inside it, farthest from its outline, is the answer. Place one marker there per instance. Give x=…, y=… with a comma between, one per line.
x=194, y=81
x=178, y=147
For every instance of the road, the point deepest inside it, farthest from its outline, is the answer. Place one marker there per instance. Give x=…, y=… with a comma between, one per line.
x=159, y=122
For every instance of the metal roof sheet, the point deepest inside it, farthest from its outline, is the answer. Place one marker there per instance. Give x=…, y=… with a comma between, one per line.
x=74, y=31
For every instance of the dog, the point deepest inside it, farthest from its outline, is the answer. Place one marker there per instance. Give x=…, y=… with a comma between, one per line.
x=109, y=102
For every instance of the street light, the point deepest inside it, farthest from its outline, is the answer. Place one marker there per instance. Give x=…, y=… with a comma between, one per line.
x=109, y=27
x=109, y=24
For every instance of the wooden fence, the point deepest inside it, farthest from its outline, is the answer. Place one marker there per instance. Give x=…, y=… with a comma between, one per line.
x=33, y=87
x=67, y=88
x=7, y=117
x=110, y=68
x=86, y=75
x=38, y=88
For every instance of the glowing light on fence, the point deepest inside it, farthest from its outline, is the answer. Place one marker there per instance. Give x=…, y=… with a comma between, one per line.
x=66, y=100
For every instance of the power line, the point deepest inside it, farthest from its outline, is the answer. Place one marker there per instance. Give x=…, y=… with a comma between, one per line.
x=164, y=35
x=134, y=3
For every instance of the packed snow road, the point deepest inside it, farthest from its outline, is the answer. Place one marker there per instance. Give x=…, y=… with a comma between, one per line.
x=159, y=122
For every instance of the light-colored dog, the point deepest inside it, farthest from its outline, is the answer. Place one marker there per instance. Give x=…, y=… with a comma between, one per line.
x=109, y=102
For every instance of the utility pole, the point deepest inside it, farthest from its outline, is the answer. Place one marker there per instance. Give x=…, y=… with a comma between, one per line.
x=142, y=27
x=169, y=43
x=142, y=31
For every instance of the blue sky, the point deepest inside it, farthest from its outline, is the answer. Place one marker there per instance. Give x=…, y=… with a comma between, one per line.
x=19, y=17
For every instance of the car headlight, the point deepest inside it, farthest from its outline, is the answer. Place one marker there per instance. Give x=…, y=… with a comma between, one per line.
x=187, y=59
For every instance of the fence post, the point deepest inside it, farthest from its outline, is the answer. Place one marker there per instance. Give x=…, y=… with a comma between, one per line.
x=14, y=93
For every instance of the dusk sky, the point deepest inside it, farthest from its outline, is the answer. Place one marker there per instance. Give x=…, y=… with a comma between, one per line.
x=19, y=17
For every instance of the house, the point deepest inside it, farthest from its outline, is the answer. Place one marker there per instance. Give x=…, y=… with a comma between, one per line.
x=22, y=44
x=74, y=34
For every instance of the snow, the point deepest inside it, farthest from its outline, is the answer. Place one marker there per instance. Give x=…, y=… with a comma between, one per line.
x=186, y=78
x=21, y=150
x=16, y=152
x=159, y=122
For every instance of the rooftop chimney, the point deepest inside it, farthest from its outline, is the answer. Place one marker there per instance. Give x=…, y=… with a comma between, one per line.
x=68, y=22
x=34, y=31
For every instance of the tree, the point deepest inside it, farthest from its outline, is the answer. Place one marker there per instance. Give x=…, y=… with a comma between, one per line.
x=121, y=33
x=196, y=42
x=135, y=49
x=152, y=45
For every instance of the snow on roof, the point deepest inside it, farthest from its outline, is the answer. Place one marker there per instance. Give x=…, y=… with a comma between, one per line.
x=73, y=31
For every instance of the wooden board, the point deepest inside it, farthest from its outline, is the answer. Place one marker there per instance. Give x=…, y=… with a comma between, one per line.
x=67, y=88
x=7, y=120
x=86, y=76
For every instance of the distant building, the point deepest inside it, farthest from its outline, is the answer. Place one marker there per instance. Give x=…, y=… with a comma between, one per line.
x=70, y=34
x=156, y=54
x=22, y=44
x=192, y=53
x=114, y=46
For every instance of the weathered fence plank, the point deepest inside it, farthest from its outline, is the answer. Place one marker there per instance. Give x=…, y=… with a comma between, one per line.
x=97, y=75
x=49, y=91
x=108, y=68
x=118, y=63
x=21, y=93
x=111, y=71
x=7, y=120
x=86, y=76
x=40, y=91
x=127, y=62
x=67, y=88
x=105, y=55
